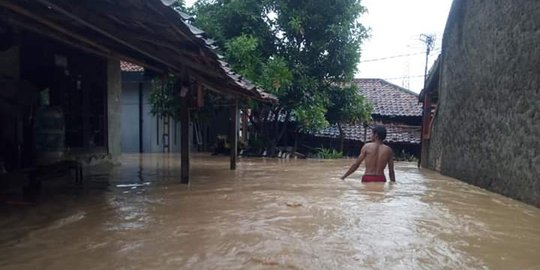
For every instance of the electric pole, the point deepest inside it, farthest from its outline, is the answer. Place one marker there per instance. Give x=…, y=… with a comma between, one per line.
x=429, y=40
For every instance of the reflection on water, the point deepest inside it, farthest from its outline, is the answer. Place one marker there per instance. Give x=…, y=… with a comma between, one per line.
x=269, y=214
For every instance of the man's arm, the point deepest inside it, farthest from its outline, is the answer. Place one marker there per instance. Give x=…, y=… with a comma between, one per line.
x=391, y=168
x=356, y=164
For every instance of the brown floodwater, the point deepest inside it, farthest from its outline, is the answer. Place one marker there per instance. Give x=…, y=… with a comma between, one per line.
x=268, y=214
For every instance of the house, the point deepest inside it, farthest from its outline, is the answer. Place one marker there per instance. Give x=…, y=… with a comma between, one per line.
x=146, y=132
x=393, y=106
x=482, y=99
x=60, y=76
x=143, y=132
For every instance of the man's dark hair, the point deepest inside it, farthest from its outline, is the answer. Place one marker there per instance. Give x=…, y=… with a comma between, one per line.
x=380, y=131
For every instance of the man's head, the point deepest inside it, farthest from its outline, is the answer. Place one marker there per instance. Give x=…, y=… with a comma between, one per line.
x=379, y=133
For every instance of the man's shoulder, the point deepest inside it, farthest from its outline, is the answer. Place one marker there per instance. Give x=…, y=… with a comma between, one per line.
x=386, y=147
x=370, y=145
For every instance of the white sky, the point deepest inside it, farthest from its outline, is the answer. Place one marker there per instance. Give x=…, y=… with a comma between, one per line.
x=396, y=26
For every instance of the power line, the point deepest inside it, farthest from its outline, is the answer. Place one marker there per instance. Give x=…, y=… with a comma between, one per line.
x=394, y=56
x=397, y=78
x=390, y=57
x=407, y=76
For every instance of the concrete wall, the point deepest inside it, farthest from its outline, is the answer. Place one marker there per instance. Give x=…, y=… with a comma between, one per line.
x=114, y=117
x=487, y=127
x=152, y=128
x=130, y=118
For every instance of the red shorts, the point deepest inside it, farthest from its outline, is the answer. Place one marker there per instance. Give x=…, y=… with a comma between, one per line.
x=373, y=178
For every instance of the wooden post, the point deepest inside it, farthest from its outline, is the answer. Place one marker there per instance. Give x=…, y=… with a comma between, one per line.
x=234, y=133
x=184, y=140
x=141, y=115
x=245, y=119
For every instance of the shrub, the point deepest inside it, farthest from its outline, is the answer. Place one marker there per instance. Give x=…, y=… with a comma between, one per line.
x=324, y=153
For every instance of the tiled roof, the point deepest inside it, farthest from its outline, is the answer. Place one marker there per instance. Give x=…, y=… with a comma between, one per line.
x=152, y=34
x=395, y=133
x=234, y=78
x=388, y=99
x=130, y=67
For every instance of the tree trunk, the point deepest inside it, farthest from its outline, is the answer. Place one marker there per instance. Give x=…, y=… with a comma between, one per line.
x=284, y=127
x=297, y=143
x=275, y=134
x=271, y=130
x=296, y=138
x=341, y=137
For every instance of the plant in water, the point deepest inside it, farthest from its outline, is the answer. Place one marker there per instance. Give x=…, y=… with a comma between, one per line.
x=165, y=102
x=404, y=156
x=325, y=153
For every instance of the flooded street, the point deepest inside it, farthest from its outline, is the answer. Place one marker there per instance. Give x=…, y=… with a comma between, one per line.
x=269, y=214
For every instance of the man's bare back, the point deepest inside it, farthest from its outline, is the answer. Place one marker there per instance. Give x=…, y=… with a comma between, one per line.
x=377, y=156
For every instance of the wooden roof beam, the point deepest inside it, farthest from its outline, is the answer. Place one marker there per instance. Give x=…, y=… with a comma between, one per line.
x=105, y=33
x=91, y=47
x=174, y=67
x=37, y=18
x=227, y=89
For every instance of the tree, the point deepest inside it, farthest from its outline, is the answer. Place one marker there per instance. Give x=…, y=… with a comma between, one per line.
x=346, y=106
x=163, y=98
x=228, y=19
x=297, y=50
x=180, y=4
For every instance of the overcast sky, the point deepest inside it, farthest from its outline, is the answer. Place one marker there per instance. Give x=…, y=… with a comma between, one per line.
x=396, y=26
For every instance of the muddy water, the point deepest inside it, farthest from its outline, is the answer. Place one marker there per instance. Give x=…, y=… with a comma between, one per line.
x=269, y=214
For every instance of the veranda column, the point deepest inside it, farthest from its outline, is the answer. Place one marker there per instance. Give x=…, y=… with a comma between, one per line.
x=234, y=133
x=184, y=138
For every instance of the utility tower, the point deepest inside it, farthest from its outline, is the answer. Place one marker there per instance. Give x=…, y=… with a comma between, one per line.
x=405, y=82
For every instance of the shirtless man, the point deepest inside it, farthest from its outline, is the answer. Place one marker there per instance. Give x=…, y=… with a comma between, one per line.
x=377, y=155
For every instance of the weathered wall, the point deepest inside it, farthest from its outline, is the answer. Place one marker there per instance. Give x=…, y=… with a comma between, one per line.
x=114, y=109
x=152, y=131
x=487, y=128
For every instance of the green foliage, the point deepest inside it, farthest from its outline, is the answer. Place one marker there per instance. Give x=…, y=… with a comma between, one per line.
x=311, y=116
x=163, y=98
x=297, y=50
x=275, y=76
x=256, y=143
x=325, y=153
x=180, y=4
x=323, y=38
x=346, y=105
x=224, y=20
x=244, y=57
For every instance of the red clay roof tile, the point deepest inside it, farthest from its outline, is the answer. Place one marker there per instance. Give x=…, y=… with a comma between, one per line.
x=389, y=99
